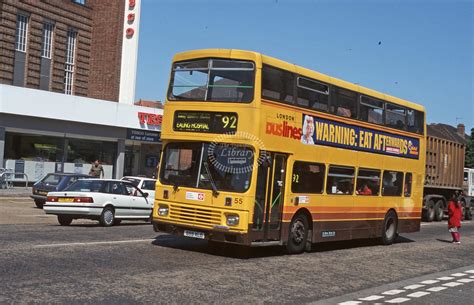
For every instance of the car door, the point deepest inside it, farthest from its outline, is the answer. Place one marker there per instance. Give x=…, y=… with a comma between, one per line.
x=141, y=205
x=120, y=199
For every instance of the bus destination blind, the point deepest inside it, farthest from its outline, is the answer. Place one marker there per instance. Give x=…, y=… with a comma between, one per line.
x=208, y=122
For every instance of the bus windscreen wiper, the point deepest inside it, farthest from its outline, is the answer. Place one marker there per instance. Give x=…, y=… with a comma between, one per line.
x=215, y=192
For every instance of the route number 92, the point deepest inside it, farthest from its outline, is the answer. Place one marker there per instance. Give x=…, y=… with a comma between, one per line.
x=229, y=121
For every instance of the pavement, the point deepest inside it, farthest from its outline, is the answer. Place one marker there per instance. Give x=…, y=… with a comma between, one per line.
x=17, y=191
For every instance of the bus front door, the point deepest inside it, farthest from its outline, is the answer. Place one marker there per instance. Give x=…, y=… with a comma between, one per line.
x=269, y=199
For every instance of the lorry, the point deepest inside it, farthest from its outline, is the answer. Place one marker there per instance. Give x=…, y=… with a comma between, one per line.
x=444, y=174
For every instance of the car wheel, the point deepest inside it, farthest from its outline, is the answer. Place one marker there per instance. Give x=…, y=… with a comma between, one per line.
x=389, y=229
x=107, y=217
x=64, y=220
x=298, y=234
x=39, y=204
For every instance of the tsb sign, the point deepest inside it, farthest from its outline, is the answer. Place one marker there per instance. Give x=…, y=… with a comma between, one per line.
x=150, y=119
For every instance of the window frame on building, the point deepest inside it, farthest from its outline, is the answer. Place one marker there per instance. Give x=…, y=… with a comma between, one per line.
x=69, y=65
x=21, y=32
x=47, y=39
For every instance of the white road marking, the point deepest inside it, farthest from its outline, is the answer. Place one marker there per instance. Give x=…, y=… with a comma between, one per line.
x=466, y=280
x=398, y=300
x=393, y=292
x=436, y=289
x=445, y=278
x=452, y=284
x=469, y=271
x=372, y=298
x=418, y=294
x=94, y=243
x=429, y=282
x=472, y=277
x=350, y=303
x=458, y=274
x=411, y=287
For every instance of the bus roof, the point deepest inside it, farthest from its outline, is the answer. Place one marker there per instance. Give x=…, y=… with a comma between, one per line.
x=259, y=59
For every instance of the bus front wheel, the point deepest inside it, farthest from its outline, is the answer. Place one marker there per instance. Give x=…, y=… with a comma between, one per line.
x=298, y=234
x=390, y=227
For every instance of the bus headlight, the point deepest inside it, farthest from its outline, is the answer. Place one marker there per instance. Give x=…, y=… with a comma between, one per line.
x=163, y=210
x=232, y=220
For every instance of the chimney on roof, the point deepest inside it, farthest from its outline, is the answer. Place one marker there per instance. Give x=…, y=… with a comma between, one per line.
x=461, y=130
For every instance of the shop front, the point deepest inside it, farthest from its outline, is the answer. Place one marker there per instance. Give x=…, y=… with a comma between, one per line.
x=43, y=132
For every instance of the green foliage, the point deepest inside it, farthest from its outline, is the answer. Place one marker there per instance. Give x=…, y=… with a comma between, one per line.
x=470, y=150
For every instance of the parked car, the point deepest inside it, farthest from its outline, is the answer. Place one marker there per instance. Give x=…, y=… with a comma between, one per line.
x=106, y=200
x=147, y=185
x=53, y=182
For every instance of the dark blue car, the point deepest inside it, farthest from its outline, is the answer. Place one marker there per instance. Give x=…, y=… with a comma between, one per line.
x=51, y=183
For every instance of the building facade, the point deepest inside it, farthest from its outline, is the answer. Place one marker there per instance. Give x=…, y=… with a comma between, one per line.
x=67, y=85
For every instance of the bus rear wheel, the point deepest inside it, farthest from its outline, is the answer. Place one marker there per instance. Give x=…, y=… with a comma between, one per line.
x=390, y=228
x=298, y=234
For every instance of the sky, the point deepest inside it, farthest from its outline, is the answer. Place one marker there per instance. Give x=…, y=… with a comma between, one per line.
x=421, y=51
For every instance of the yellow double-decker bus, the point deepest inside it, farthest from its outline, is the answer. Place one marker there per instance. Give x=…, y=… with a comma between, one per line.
x=257, y=151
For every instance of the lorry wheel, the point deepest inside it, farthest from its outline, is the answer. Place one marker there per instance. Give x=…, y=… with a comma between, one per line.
x=429, y=213
x=468, y=214
x=439, y=210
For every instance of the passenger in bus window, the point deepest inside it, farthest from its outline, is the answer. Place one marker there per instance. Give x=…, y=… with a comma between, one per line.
x=364, y=190
x=345, y=112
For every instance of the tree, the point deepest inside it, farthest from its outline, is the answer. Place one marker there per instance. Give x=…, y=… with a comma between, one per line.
x=470, y=151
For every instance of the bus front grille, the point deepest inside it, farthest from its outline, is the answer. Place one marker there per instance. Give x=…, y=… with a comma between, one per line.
x=195, y=215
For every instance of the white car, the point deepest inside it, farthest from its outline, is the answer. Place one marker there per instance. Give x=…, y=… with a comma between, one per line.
x=147, y=185
x=106, y=200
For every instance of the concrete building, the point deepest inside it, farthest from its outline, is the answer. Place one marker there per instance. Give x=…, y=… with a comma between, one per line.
x=67, y=86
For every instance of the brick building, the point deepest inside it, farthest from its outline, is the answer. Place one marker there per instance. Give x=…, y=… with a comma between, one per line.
x=64, y=46
x=67, y=86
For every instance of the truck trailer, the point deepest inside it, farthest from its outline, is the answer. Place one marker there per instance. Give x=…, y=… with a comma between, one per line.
x=444, y=175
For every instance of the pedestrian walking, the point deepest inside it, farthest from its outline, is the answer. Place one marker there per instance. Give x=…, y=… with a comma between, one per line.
x=97, y=171
x=454, y=221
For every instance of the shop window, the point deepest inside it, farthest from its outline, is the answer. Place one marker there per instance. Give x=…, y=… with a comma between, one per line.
x=368, y=182
x=392, y=183
x=277, y=84
x=340, y=180
x=307, y=178
x=33, y=147
x=408, y=182
x=84, y=151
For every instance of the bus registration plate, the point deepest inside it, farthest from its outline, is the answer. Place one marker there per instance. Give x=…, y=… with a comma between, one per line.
x=194, y=234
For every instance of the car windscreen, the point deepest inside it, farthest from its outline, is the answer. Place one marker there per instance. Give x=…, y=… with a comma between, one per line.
x=86, y=186
x=148, y=185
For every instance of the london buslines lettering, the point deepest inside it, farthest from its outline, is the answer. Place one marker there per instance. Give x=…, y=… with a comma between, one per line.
x=331, y=133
